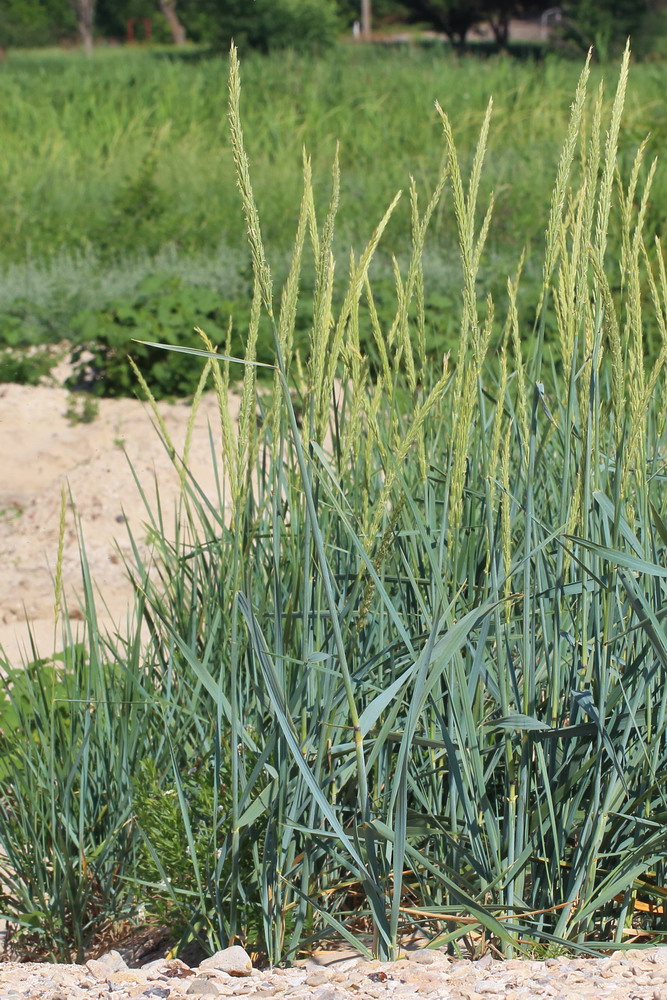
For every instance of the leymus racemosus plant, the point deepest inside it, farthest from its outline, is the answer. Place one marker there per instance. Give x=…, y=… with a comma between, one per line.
x=417, y=640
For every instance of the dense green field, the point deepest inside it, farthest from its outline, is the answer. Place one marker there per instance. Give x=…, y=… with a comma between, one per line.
x=118, y=169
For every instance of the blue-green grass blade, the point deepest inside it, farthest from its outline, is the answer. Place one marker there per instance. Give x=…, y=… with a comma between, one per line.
x=198, y=352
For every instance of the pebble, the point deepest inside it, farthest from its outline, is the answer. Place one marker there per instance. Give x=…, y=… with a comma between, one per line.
x=427, y=956
x=317, y=978
x=111, y=962
x=235, y=961
x=421, y=975
x=203, y=987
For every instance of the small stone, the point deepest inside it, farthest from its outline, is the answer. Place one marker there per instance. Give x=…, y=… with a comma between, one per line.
x=486, y=986
x=169, y=968
x=485, y=962
x=134, y=976
x=659, y=956
x=427, y=956
x=157, y=991
x=347, y=964
x=317, y=979
x=203, y=988
x=235, y=961
x=106, y=964
x=65, y=976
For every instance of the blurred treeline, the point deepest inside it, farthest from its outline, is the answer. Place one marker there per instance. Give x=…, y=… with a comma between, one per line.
x=314, y=24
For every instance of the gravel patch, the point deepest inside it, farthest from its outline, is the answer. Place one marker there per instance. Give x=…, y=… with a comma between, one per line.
x=624, y=975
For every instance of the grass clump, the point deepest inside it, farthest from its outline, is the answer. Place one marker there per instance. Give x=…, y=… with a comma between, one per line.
x=70, y=740
x=407, y=667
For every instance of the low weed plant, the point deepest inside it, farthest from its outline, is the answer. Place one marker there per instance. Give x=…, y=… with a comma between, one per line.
x=69, y=743
x=408, y=666
x=82, y=408
x=27, y=367
x=167, y=307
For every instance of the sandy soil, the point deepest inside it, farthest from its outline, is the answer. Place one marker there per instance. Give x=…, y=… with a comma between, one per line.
x=40, y=451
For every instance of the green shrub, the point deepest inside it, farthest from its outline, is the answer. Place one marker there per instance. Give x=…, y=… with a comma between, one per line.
x=168, y=309
x=650, y=40
x=165, y=861
x=35, y=22
x=301, y=25
x=164, y=308
x=27, y=367
x=266, y=25
x=604, y=25
x=138, y=214
x=186, y=866
x=25, y=325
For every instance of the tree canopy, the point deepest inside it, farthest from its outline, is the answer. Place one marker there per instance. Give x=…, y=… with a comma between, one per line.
x=313, y=24
x=605, y=26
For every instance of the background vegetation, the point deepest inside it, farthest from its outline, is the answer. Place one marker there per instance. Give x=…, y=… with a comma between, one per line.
x=314, y=24
x=119, y=205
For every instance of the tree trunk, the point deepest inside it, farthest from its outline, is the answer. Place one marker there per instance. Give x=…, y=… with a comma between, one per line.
x=501, y=31
x=366, y=19
x=85, y=18
x=168, y=8
x=457, y=38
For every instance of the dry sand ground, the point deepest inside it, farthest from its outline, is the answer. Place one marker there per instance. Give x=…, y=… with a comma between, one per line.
x=40, y=451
